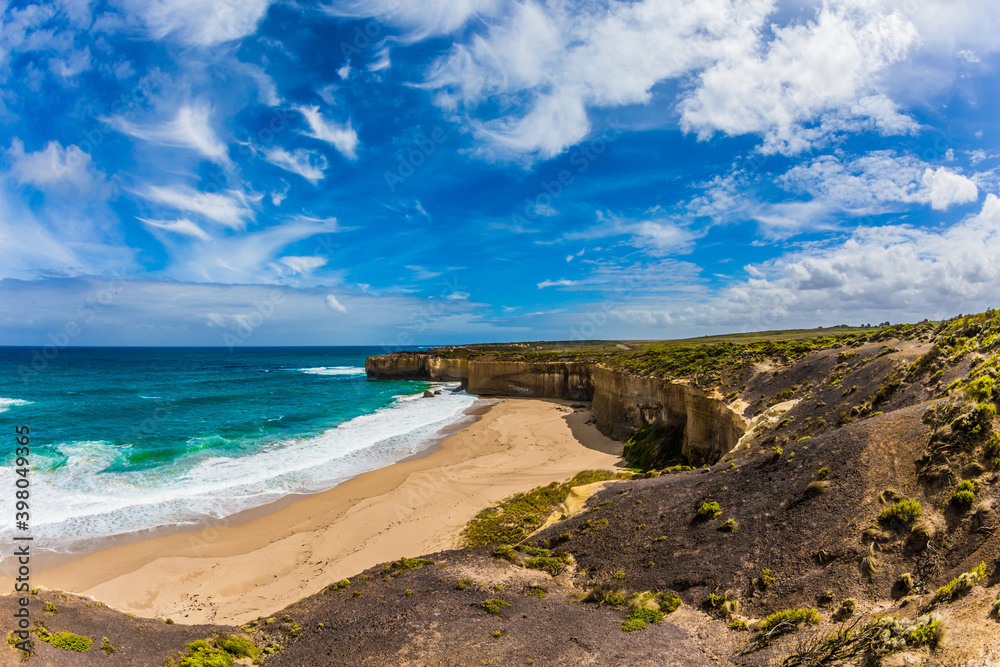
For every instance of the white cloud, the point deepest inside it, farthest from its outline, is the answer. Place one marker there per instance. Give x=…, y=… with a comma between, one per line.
x=190, y=128
x=557, y=60
x=654, y=235
x=229, y=208
x=420, y=19
x=254, y=257
x=866, y=183
x=900, y=272
x=421, y=273
x=342, y=137
x=969, y=56
x=945, y=188
x=826, y=70
x=562, y=282
x=53, y=166
x=307, y=164
x=179, y=226
x=303, y=265
x=199, y=22
x=335, y=305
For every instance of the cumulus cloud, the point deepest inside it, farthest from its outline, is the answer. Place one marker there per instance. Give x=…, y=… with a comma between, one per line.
x=199, y=22
x=190, y=128
x=229, y=208
x=307, y=164
x=945, y=188
x=826, y=70
x=555, y=61
x=53, y=166
x=340, y=136
x=899, y=270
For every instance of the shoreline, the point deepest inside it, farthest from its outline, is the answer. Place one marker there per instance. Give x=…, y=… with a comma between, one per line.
x=46, y=560
x=241, y=567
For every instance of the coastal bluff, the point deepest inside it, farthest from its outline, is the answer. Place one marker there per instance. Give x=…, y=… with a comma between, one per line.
x=622, y=402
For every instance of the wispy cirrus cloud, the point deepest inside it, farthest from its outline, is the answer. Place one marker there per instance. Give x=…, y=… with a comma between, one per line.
x=190, y=128
x=343, y=137
x=230, y=208
x=307, y=164
x=199, y=22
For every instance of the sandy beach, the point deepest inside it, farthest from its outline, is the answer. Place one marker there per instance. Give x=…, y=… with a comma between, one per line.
x=236, y=570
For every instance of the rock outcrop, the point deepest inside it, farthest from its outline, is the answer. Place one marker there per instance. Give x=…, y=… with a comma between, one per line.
x=622, y=402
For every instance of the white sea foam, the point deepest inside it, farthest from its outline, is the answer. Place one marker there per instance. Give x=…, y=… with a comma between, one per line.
x=8, y=403
x=334, y=370
x=77, y=502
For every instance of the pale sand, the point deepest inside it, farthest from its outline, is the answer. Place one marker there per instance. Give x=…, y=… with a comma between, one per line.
x=235, y=573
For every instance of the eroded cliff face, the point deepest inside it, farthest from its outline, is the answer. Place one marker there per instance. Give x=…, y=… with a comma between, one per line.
x=622, y=403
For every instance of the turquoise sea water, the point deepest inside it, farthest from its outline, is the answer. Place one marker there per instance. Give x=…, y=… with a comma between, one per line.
x=129, y=439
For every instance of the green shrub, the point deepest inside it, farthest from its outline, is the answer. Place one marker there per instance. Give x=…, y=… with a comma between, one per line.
x=960, y=584
x=49, y=607
x=709, y=510
x=644, y=616
x=511, y=520
x=737, y=624
x=822, y=473
x=905, y=512
x=669, y=603
x=106, y=646
x=65, y=640
x=729, y=525
x=633, y=625
x=604, y=594
x=493, y=606
x=463, y=583
x=847, y=608
x=552, y=565
x=790, y=617
x=239, y=647
x=506, y=552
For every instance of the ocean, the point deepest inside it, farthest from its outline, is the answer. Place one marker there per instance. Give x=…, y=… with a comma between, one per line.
x=132, y=439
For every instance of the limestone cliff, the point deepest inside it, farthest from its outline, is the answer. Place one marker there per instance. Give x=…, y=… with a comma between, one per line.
x=622, y=402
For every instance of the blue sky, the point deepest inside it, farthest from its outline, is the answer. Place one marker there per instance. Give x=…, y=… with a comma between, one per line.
x=378, y=172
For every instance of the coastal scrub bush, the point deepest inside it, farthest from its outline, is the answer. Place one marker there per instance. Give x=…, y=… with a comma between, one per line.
x=669, y=603
x=822, y=473
x=904, y=512
x=790, y=619
x=239, y=647
x=709, y=510
x=550, y=564
x=514, y=518
x=847, y=608
x=963, y=583
x=605, y=594
x=107, y=646
x=505, y=552
x=964, y=494
x=463, y=584
x=65, y=640
x=493, y=606
x=728, y=526
x=639, y=617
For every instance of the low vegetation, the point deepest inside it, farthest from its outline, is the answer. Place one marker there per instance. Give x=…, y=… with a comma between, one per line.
x=511, y=520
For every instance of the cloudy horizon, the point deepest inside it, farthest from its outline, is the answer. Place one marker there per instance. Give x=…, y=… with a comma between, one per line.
x=180, y=172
